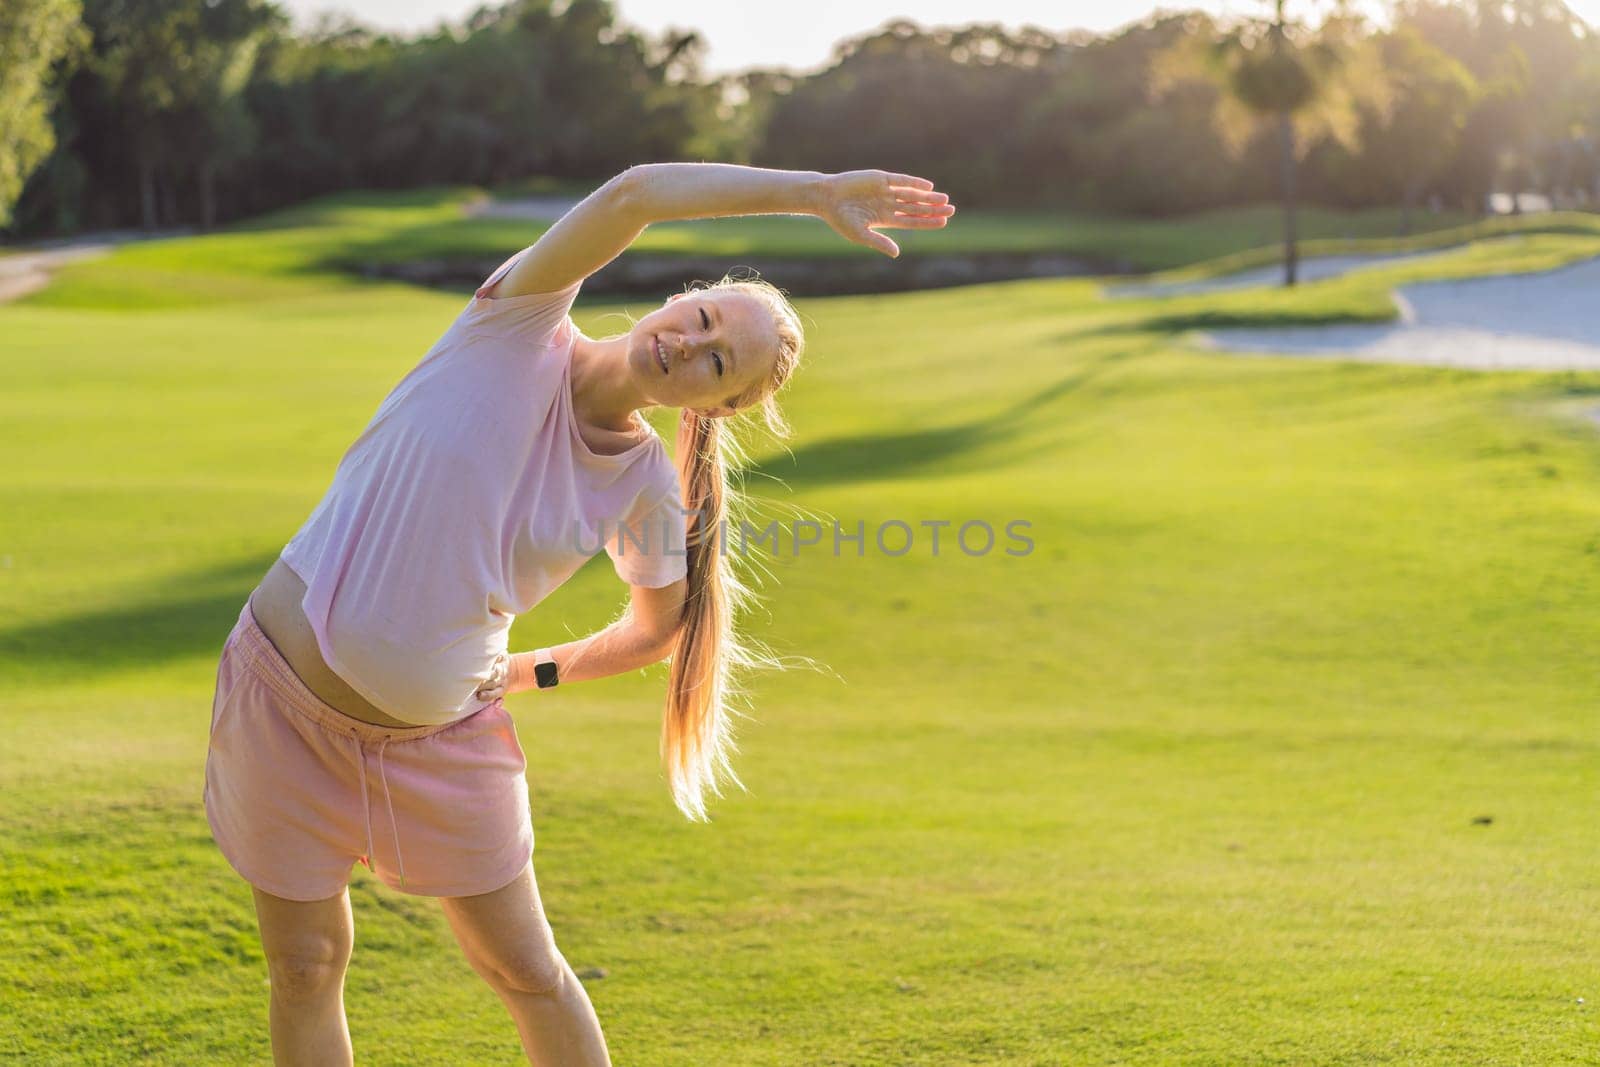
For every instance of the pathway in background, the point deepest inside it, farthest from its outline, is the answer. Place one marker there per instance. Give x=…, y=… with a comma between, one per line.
x=26, y=269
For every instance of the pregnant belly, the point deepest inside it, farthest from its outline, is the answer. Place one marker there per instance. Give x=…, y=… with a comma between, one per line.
x=276, y=607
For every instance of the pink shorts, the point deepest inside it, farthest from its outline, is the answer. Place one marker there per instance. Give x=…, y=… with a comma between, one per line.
x=297, y=792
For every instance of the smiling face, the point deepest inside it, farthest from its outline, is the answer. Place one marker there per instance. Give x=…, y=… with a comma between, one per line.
x=703, y=350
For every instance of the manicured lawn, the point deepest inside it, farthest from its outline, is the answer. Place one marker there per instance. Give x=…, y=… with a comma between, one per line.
x=1279, y=747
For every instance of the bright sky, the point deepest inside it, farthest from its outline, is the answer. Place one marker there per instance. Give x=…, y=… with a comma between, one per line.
x=747, y=33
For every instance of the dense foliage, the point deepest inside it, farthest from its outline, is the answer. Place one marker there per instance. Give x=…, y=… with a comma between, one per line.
x=33, y=37
x=190, y=112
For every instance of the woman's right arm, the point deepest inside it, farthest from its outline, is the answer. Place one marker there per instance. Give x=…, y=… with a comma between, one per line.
x=585, y=239
x=853, y=203
x=856, y=204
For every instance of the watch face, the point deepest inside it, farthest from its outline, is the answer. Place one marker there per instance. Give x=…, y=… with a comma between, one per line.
x=544, y=674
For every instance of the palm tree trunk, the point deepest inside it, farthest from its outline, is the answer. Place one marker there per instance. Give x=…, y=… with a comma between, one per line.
x=1291, y=250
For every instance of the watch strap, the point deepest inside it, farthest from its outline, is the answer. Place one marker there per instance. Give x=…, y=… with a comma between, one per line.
x=545, y=674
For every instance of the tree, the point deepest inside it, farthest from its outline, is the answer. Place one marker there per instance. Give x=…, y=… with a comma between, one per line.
x=34, y=36
x=212, y=127
x=1528, y=57
x=916, y=100
x=1273, y=72
x=1583, y=116
x=1279, y=69
x=213, y=109
x=1122, y=128
x=1410, y=136
x=173, y=74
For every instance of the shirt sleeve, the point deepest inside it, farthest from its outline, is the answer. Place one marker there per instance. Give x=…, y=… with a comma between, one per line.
x=647, y=547
x=534, y=318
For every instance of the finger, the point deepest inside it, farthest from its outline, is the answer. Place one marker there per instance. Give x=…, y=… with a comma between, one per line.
x=911, y=180
x=939, y=210
x=917, y=222
x=911, y=196
x=883, y=244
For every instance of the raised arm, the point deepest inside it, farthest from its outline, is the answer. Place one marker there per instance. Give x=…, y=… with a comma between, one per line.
x=856, y=204
x=853, y=203
x=668, y=192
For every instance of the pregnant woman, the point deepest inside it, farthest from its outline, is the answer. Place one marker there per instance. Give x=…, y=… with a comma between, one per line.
x=359, y=713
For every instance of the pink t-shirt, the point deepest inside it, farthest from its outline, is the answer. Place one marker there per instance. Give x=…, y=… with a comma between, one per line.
x=466, y=501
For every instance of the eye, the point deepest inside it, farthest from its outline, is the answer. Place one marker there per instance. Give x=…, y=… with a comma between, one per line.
x=705, y=324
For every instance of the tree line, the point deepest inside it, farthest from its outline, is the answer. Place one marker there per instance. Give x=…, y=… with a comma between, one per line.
x=153, y=113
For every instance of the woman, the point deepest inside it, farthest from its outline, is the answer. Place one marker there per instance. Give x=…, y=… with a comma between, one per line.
x=359, y=712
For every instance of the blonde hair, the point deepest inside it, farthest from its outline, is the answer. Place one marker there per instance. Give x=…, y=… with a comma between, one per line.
x=708, y=654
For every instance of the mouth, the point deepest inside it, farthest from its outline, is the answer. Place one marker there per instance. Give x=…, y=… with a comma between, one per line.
x=655, y=346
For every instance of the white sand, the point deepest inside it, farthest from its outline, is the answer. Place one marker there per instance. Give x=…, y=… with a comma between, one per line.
x=1544, y=321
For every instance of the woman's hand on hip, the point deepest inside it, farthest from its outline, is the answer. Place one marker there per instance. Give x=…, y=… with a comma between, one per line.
x=856, y=201
x=499, y=681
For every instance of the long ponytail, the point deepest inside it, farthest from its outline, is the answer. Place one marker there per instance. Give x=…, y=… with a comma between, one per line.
x=697, y=737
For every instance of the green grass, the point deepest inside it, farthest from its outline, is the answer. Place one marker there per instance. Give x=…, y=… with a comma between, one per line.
x=1194, y=782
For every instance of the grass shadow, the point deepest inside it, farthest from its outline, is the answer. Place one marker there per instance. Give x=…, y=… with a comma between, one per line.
x=181, y=616
x=964, y=446
x=1216, y=319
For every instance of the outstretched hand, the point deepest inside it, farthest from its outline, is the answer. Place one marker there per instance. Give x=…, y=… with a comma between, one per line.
x=858, y=202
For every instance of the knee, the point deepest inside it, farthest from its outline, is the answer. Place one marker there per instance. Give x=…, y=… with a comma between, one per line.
x=539, y=971
x=309, y=971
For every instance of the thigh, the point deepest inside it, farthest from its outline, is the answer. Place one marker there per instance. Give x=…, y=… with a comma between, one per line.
x=282, y=795
x=462, y=825
x=506, y=932
x=305, y=936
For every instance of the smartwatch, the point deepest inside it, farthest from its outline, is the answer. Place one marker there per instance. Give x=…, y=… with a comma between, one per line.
x=544, y=669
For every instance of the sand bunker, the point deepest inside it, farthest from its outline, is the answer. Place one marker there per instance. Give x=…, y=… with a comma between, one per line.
x=1544, y=321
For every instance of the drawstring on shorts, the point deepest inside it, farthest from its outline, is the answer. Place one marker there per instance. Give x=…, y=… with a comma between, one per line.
x=388, y=802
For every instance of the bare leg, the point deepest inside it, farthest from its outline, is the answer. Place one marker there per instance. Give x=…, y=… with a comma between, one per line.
x=308, y=948
x=509, y=942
